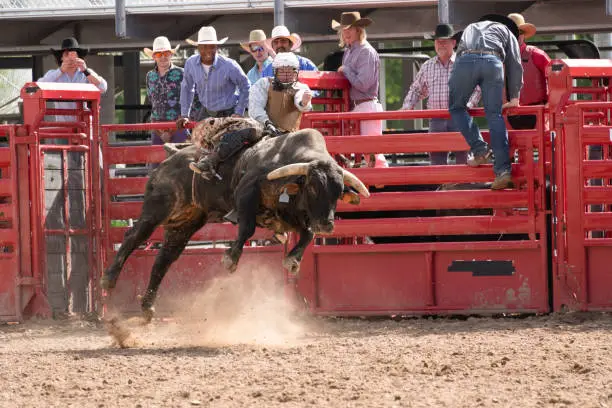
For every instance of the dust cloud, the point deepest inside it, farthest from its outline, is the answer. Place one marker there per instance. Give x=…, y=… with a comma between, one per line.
x=248, y=307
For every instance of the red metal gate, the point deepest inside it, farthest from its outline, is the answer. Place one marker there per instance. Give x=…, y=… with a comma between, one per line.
x=448, y=271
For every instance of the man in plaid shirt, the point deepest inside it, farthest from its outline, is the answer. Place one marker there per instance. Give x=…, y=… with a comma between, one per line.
x=432, y=82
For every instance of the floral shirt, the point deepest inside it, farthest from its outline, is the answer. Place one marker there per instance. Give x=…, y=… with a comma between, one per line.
x=164, y=93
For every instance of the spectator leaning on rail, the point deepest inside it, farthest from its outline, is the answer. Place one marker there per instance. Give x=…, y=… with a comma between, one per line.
x=535, y=61
x=164, y=90
x=278, y=102
x=72, y=69
x=432, y=82
x=283, y=41
x=361, y=66
x=222, y=86
x=259, y=51
x=484, y=49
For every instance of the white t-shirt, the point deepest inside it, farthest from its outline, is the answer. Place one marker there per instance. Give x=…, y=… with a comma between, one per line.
x=206, y=68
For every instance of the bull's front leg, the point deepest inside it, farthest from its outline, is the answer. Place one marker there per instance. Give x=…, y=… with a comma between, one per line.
x=293, y=259
x=247, y=203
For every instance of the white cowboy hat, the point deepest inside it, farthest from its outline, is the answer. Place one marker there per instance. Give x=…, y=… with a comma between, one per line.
x=207, y=35
x=160, y=44
x=528, y=29
x=283, y=32
x=255, y=37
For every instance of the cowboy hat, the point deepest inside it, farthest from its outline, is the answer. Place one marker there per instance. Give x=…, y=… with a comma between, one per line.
x=255, y=37
x=527, y=29
x=498, y=18
x=160, y=44
x=283, y=32
x=70, y=44
x=443, y=31
x=350, y=19
x=207, y=35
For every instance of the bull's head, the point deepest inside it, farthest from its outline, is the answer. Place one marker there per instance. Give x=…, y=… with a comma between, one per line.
x=322, y=187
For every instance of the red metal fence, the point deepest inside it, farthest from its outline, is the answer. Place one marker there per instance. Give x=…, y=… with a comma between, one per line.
x=411, y=248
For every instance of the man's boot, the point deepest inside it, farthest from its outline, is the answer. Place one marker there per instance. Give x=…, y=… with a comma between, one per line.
x=207, y=165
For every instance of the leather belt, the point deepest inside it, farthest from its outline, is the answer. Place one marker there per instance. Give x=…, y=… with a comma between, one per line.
x=356, y=102
x=219, y=114
x=482, y=52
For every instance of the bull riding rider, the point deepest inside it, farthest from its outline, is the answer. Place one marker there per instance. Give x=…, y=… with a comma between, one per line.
x=220, y=139
x=534, y=61
x=278, y=102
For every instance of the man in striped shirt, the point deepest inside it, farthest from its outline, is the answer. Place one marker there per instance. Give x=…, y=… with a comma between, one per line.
x=432, y=82
x=222, y=86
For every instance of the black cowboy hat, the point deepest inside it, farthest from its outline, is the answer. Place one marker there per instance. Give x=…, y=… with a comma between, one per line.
x=443, y=31
x=498, y=18
x=70, y=44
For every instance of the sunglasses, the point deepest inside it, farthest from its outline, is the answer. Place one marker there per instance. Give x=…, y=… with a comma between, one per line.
x=162, y=54
x=257, y=48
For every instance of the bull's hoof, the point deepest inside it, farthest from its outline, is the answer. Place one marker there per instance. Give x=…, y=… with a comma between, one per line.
x=228, y=263
x=147, y=314
x=281, y=237
x=292, y=265
x=106, y=283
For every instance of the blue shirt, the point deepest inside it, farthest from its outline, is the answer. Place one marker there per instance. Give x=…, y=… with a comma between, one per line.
x=305, y=65
x=224, y=87
x=56, y=75
x=254, y=74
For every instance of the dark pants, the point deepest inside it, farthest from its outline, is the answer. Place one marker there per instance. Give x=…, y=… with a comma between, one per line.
x=441, y=158
x=204, y=113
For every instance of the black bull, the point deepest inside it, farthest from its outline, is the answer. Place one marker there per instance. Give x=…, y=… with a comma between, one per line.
x=288, y=183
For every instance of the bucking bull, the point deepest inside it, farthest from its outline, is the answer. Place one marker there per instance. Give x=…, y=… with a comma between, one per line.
x=288, y=183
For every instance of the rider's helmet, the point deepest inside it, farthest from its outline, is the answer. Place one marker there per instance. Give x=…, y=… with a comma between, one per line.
x=286, y=67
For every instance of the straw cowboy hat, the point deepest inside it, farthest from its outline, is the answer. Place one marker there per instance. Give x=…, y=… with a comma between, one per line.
x=498, y=18
x=207, y=35
x=283, y=32
x=350, y=19
x=527, y=29
x=160, y=44
x=70, y=44
x=255, y=37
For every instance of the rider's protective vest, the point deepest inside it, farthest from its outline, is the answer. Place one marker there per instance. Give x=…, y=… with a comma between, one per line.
x=534, y=81
x=281, y=108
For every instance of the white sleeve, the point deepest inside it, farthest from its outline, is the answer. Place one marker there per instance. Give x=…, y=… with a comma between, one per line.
x=298, y=97
x=258, y=99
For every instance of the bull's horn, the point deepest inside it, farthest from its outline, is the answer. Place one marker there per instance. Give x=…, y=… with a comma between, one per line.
x=294, y=169
x=353, y=181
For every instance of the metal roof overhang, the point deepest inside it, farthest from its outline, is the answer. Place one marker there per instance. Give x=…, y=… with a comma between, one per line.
x=407, y=19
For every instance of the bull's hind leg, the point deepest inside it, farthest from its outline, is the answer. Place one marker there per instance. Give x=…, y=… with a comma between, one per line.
x=293, y=259
x=175, y=241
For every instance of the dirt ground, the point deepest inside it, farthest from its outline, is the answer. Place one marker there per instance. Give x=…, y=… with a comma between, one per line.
x=230, y=349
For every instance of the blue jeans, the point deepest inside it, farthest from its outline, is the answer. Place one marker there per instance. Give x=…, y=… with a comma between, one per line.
x=487, y=71
x=441, y=158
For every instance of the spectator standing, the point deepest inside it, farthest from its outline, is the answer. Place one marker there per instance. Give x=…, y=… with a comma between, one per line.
x=535, y=85
x=484, y=49
x=258, y=49
x=432, y=82
x=361, y=66
x=281, y=40
x=222, y=86
x=72, y=69
x=164, y=89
